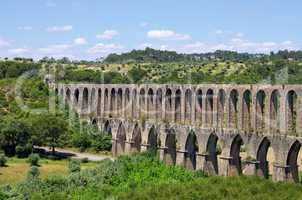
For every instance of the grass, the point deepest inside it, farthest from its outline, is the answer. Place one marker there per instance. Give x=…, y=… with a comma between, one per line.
x=16, y=169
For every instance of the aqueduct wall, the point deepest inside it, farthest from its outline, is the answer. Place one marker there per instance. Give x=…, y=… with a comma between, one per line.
x=185, y=123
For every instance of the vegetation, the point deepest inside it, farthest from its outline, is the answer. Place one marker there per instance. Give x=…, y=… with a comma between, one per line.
x=33, y=159
x=144, y=177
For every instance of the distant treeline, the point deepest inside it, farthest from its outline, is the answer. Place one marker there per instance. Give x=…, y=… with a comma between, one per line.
x=13, y=69
x=150, y=55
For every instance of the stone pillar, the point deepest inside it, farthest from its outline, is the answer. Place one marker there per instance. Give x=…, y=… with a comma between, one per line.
x=215, y=113
x=180, y=157
x=283, y=113
x=80, y=102
x=280, y=172
x=225, y=169
x=253, y=111
x=299, y=114
x=182, y=106
x=240, y=119
x=173, y=109
x=252, y=168
x=128, y=148
x=193, y=108
x=162, y=153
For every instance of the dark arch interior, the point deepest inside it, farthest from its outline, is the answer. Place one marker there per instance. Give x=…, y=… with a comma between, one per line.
x=142, y=102
x=246, y=110
x=188, y=106
x=152, y=139
x=292, y=157
x=235, y=154
x=275, y=110
x=198, y=114
x=168, y=104
x=150, y=103
x=120, y=139
x=99, y=102
x=221, y=105
x=119, y=102
x=107, y=128
x=260, y=112
x=178, y=106
x=233, y=109
x=85, y=99
x=112, y=103
x=291, y=112
x=170, y=151
x=136, y=139
x=127, y=103
x=209, y=107
x=262, y=157
x=76, y=95
x=159, y=104
x=191, y=150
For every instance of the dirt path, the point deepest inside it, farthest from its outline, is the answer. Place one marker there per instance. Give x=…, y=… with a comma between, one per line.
x=76, y=155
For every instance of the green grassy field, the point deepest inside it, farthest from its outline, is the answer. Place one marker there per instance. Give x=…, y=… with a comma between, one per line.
x=16, y=169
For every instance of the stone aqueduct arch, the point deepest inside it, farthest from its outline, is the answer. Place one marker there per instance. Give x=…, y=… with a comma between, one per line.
x=185, y=123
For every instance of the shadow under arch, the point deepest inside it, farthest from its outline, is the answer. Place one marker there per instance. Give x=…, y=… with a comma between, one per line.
x=120, y=140
x=191, y=150
x=262, y=153
x=235, y=162
x=170, y=148
x=136, y=139
x=212, y=151
x=291, y=161
x=107, y=128
x=152, y=139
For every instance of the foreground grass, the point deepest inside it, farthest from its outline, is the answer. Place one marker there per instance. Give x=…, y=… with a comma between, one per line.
x=16, y=169
x=144, y=177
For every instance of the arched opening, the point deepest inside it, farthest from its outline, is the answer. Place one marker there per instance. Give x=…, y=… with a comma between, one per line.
x=106, y=102
x=136, y=139
x=262, y=157
x=209, y=107
x=233, y=109
x=188, y=106
x=99, y=102
x=292, y=157
x=142, y=103
x=107, y=128
x=168, y=105
x=170, y=150
x=150, y=104
x=213, y=150
x=94, y=122
x=178, y=106
x=92, y=101
x=76, y=96
x=134, y=104
x=221, y=109
x=198, y=107
x=291, y=112
x=120, y=139
x=85, y=100
x=275, y=111
x=119, y=104
x=260, y=110
x=235, y=162
x=152, y=139
x=112, y=103
x=246, y=110
x=191, y=150
x=127, y=105
x=159, y=99
x=68, y=99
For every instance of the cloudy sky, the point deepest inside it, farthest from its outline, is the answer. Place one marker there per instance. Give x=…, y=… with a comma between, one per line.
x=88, y=29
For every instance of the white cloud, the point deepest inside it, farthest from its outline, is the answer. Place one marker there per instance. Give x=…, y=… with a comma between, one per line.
x=4, y=43
x=19, y=51
x=105, y=48
x=167, y=35
x=219, y=32
x=80, y=41
x=108, y=34
x=144, y=24
x=54, y=49
x=65, y=28
x=50, y=4
x=25, y=28
x=145, y=45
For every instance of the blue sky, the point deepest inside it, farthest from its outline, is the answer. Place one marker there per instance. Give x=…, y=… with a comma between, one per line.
x=82, y=29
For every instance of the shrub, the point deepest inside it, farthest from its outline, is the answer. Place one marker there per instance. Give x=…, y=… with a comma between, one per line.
x=33, y=159
x=102, y=142
x=84, y=160
x=74, y=166
x=33, y=173
x=3, y=161
x=23, y=151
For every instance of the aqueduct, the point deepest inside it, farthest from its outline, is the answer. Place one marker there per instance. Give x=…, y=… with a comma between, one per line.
x=201, y=127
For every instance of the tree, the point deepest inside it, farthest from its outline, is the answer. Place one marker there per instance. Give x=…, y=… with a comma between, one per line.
x=51, y=130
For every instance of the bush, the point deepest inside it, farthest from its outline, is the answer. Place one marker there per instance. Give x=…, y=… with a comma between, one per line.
x=23, y=151
x=74, y=166
x=33, y=159
x=3, y=161
x=33, y=173
x=84, y=160
x=101, y=142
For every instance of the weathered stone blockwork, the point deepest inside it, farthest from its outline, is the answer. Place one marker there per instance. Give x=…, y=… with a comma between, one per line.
x=187, y=122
